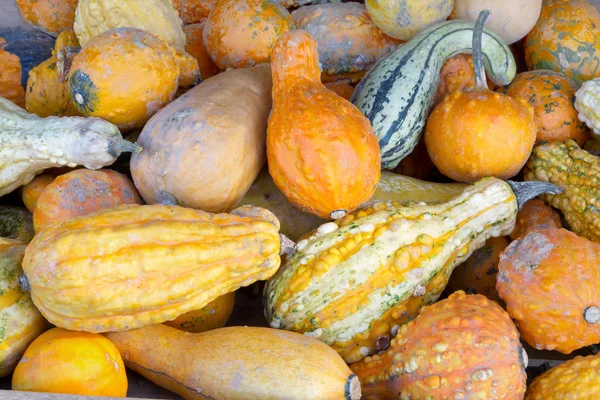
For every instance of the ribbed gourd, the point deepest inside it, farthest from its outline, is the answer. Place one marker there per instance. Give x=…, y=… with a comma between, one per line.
x=353, y=282
x=575, y=171
x=587, y=103
x=397, y=94
x=31, y=144
x=158, y=262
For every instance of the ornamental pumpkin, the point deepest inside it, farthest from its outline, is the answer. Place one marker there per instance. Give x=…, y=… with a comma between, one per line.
x=52, y=16
x=535, y=214
x=456, y=75
x=20, y=321
x=477, y=275
x=212, y=316
x=61, y=361
x=21, y=49
x=549, y=280
x=82, y=192
x=32, y=144
x=348, y=41
x=587, y=103
x=174, y=254
x=193, y=11
x=512, y=19
x=574, y=170
x=477, y=133
x=194, y=46
x=353, y=282
x=241, y=363
x=157, y=17
x=575, y=379
x=32, y=191
x=206, y=148
x=462, y=347
x=241, y=33
x=551, y=94
x=566, y=38
x=402, y=20
x=144, y=77
x=16, y=223
x=322, y=152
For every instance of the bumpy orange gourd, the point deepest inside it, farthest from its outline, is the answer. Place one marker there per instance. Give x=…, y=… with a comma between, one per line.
x=478, y=133
x=566, y=38
x=576, y=379
x=549, y=280
x=552, y=95
x=462, y=347
x=349, y=43
x=478, y=274
x=241, y=33
x=81, y=192
x=62, y=361
x=195, y=47
x=33, y=190
x=322, y=152
x=10, y=78
x=340, y=88
x=212, y=316
x=50, y=15
x=193, y=11
x=144, y=77
x=456, y=75
x=535, y=215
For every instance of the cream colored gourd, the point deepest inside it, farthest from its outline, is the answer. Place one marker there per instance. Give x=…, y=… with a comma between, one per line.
x=158, y=17
x=31, y=144
x=587, y=103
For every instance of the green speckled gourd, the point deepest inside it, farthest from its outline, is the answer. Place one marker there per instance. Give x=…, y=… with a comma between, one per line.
x=29, y=144
x=16, y=223
x=353, y=282
x=397, y=94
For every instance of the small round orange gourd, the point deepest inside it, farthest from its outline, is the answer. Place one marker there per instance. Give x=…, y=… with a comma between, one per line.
x=62, y=361
x=193, y=11
x=535, y=215
x=195, y=47
x=322, y=152
x=49, y=15
x=81, y=192
x=33, y=190
x=212, y=316
x=241, y=33
x=552, y=95
x=478, y=133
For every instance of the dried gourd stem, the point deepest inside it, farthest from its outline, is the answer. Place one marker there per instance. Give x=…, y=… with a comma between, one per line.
x=24, y=282
x=591, y=315
x=525, y=191
x=119, y=145
x=64, y=59
x=480, y=82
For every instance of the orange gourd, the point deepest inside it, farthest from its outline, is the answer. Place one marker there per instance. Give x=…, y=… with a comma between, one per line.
x=535, y=215
x=322, y=152
x=241, y=33
x=456, y=75
x=566, y=38
x=33, y=190
x=62, y=361
x=478, y=133
x=549, y=280
x=552, y=95
x=193, y=11
x=212, y=316
x=49, y=15
x=340, y=88
x=10, y=78
x=195, y=47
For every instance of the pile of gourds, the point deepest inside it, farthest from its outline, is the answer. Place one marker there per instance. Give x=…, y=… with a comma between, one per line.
x=158, y=155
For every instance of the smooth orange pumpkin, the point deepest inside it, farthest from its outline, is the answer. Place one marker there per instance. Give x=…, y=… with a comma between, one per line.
x=552, y=96
x=566, y=38
x=322, y=152
x=340, y=88
x=49, y=15
x=535, y=215
x=456, y=75
x=212, y=316
x=241, y=33
x=193, y=11
x=62, y=361
x=32, y=191
x=195, y=47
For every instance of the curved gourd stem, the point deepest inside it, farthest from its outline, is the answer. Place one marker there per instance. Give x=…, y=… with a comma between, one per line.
x=119, y=145
x=287, y=247
x=480, y=82
x=64, y=60
x=526, y=191
x=24, y=282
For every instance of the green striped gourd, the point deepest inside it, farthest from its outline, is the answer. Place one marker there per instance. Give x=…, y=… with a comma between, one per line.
x=353, y=282
x=398, y=92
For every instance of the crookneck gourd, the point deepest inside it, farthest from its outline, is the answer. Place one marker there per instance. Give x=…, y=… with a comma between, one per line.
x=574, y=170
x=398, y=92
x=31, y=144
x=353, y=282
x=158, y=262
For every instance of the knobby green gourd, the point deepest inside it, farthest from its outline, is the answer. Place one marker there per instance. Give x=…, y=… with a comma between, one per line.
x=353, y=282
x=29, y=144
x=398, y=92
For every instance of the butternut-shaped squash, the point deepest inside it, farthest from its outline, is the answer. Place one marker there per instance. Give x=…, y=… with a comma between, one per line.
x=158, y=262
x=322, y=152
x=206, y=148
x=237, y=363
